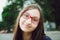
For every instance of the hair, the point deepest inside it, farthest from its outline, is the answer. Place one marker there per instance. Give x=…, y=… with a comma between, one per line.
x=38, y=33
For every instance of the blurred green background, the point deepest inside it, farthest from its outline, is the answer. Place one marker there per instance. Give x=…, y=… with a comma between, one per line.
x=50, y=9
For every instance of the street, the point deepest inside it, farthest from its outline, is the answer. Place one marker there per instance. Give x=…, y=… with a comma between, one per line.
x=54, y=35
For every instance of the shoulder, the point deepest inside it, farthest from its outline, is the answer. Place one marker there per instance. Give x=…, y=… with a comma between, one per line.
x=47, y=38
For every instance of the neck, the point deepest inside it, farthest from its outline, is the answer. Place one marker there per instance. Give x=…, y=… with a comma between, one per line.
x=27, y=36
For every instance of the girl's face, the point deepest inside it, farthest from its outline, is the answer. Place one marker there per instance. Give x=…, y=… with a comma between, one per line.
x=29, y=20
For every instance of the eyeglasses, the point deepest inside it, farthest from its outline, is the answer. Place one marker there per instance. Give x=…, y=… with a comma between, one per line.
x=27, y=16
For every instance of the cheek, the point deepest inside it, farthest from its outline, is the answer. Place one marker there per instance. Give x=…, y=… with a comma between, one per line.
x=21, y=21
x=35, y=25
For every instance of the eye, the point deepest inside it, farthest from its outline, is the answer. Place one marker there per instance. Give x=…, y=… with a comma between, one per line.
x=34, y=19
x=26, y=15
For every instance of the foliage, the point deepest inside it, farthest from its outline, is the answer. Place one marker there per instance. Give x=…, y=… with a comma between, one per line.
x=10, y=13
x=47, y=9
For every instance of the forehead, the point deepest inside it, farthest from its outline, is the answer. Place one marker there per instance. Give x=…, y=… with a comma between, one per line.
x=34, y=13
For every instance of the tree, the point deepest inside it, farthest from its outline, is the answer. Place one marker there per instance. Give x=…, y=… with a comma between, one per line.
x=47, y=9
x=56, y=6
x=10, y=13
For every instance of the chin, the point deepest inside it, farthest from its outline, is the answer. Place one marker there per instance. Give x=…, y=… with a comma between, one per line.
x=27, y=31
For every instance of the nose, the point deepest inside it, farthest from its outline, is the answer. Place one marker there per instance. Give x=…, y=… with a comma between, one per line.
x=28, y=21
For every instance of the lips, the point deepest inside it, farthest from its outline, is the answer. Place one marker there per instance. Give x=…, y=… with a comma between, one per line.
x=28, y=26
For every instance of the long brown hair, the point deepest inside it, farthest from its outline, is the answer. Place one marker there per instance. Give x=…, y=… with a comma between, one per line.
x=38, y=33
